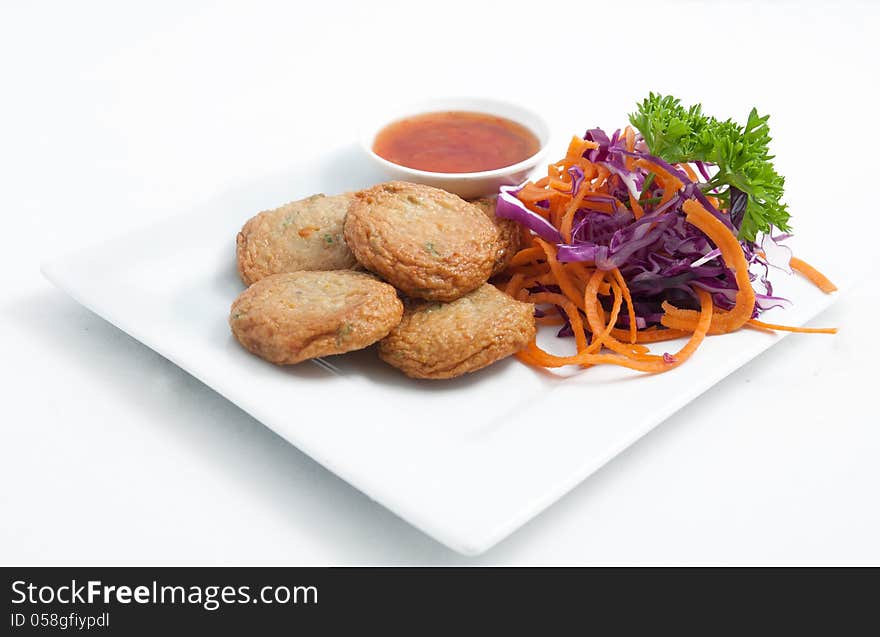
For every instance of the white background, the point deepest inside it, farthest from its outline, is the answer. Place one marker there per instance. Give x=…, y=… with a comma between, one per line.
x=115, y=115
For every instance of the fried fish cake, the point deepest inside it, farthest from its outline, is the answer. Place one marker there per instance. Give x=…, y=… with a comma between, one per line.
x=427, y=242
x=301, y=235
x=509, y=234
x=290, y=317
x=445, y=340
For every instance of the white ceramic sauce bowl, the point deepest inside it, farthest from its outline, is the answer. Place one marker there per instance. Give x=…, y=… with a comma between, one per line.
x=466, y=185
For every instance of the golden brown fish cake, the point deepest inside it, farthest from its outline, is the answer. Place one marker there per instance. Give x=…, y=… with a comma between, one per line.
x=509, y=234
x=290, y=317
x=427, y=242
x=300, y=235
x=444, y=340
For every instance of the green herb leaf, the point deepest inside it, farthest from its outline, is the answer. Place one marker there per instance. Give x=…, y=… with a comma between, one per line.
x=342, y=332
x=741, y=153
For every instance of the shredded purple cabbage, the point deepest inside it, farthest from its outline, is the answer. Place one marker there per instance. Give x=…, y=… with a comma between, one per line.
x=661, y=256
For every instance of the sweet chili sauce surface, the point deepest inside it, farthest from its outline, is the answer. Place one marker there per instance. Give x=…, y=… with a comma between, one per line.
x=455, y=142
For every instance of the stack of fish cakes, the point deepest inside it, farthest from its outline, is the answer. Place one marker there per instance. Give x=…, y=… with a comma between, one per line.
x=307, y=297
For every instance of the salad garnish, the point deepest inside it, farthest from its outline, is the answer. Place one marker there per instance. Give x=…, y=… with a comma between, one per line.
x=665, y=229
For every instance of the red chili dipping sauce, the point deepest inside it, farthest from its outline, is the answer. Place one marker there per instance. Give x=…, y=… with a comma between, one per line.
x=455, y=142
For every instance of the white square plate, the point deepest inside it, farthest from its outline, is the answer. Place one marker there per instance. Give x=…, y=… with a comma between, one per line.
x=467, y=461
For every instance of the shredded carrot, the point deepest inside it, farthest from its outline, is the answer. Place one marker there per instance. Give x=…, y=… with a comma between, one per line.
x=684, y=320
x=630, y=135
x=538, y=210
x=631, y=310
x=601, y=333
x=541, y=279
x=515, y=283
x=572, y=208
x=577, y=147
x=571, y=311
x=652, y=365
x=651, y=334
x=637, y=210
x=789, y=328
x=526, y=358
x=560, y=185
x=819, y=280
x=562, y=279
x=582, y=274
x=550, y=320
x=667, y=362
x=670, y=181
x=526, y=255
x=732, y=254
x=688, y=171
x=633, y=350
x=531, y=270
x=580, y=271
x=532, y=193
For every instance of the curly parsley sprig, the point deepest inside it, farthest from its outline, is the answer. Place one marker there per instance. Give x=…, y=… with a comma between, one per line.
x=741, y=154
